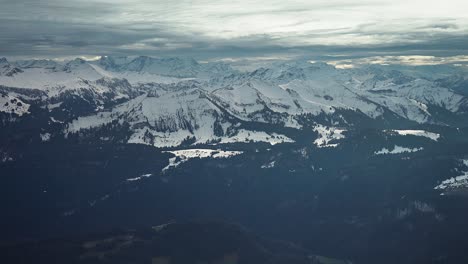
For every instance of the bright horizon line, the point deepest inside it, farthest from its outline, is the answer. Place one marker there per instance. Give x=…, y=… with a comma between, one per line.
x=406, y=60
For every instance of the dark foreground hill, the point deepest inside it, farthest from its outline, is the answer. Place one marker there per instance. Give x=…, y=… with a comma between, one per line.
x=173, y=243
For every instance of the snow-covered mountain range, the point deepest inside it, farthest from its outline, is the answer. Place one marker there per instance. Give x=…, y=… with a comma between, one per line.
x=168, y=101
x=351, y=160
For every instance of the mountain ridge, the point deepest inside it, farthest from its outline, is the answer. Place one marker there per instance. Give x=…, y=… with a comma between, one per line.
x=278, y=95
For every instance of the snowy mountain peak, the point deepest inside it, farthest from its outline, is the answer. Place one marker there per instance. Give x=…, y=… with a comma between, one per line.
x=213, y=94
x=112, y=63
x=177, y=67
x=4, y=61
x=6, y=69
x=44, y=64
x=82, y=69
x=76, y=62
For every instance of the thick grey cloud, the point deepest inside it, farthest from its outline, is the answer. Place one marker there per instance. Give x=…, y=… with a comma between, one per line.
x=209, y=29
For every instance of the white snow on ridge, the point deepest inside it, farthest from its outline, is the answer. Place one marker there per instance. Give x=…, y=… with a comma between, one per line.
x=138, y=77
x=162, y=111
x=50, y=80
x=326, y=135
x=140, y=177
x=246, y=101
x=455, y=182
x=10, y=104
x=184, y=155
x=78, y=79
x=397, y=150
x=257, y=136
x=419, y=133
x=53, y=106
x=46, y=79
x=204, y=153
x=55, y=120
x=293, y=87
x=103, y=117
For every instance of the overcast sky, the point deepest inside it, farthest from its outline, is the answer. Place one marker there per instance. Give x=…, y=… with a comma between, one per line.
x=216, y=29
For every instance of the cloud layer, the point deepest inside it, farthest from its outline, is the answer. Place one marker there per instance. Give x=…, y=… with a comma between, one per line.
x=218, y=29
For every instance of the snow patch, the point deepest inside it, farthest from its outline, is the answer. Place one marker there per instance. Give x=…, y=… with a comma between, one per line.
x=257, y=136
x=140, y=177
x=10, y=104
x=5, y=157
x=418, y=133
x=326, y=135
x=184, y=155
x=397, y=150
x=53, y=106
x=455, y=182
x=55, y=120
x=269, y=165
x=45, y=137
